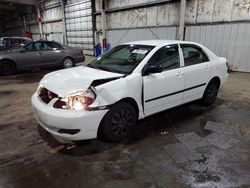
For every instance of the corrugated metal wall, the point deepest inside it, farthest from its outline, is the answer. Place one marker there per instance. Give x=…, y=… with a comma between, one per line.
x=224, y=32
x=14, y=27
x=79, y=28
x=230, y=40
x=32, y=24
x=52, y=20
x=125, y=35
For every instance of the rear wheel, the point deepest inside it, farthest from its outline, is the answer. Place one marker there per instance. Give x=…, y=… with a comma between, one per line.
x=210, y=93
x=118, y=121
x=68, y=63
x=7, y=68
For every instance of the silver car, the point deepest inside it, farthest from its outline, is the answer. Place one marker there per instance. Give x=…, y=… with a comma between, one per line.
x=39, y=54
x=7, y=43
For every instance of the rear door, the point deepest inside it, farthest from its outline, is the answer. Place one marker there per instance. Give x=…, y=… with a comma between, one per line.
x=165, y=89
x=53, y=53
x=31, y=56
x=197, y=71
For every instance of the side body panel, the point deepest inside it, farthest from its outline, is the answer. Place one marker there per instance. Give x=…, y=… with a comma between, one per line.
x=52, y=57
x=29, y=60
x=163, y=90
x=196, y=79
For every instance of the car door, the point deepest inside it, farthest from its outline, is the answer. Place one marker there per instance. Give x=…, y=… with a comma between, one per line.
x=197, y=71
x=165, y=89
x=53, y=53
x=30, y=56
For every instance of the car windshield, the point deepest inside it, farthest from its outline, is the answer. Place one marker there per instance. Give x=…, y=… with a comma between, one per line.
x=121, y=59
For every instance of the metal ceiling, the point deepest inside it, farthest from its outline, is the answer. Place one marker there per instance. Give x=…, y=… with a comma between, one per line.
x=14, y=8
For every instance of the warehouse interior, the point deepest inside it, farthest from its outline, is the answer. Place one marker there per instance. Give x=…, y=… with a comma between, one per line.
x=222, y=26
x=187, y=146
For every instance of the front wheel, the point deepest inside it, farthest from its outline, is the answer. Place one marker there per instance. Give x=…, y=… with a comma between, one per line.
x=68, y=63
x=118, y=121
x=210, y=93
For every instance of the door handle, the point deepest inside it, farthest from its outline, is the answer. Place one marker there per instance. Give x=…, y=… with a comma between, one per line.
x=180, y=73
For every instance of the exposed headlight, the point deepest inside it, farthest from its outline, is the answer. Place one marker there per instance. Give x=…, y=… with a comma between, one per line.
x=39, y=89
x=77, y=101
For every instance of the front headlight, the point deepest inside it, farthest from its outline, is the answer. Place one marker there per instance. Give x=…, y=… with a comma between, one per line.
x=77, y=101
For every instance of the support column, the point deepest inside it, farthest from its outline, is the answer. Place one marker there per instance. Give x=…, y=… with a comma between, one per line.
x=180, y=35
x=64, y=22
x=39, y=19
x=103, y=25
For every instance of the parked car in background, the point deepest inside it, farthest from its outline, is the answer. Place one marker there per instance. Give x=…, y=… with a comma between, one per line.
x=13, y=42
x=2, y=48
x=130, y=82
x=39, y=54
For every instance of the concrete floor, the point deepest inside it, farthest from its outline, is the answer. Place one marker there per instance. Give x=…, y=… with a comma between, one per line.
x=188, y=146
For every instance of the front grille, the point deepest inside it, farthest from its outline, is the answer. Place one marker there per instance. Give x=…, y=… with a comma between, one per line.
x=46, y=96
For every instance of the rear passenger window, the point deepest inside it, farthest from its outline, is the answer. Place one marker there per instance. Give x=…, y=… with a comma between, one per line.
x=34, y=46
x=193, y=55
x=167, y=57
x=51, y=46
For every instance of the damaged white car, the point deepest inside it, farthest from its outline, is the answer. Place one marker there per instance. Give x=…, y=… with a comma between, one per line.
x=130, y=82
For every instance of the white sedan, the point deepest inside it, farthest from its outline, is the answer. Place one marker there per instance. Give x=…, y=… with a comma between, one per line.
x=132, y=81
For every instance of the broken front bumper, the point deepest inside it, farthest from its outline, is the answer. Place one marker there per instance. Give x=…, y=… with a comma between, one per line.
x=67, y=124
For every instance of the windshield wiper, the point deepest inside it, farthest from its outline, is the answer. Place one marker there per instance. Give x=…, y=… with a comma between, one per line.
x=106, y=69
x=111, y=70
x=91, y=66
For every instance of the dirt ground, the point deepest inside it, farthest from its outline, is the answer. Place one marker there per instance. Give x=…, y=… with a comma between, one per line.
x=188, y=146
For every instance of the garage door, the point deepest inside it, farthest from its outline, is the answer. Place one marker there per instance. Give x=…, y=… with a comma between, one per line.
x=79, y=25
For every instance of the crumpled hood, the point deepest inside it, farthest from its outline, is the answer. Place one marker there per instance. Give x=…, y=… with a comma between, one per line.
x=72, y=80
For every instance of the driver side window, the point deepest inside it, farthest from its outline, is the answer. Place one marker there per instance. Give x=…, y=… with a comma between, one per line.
x=51, y=46
x=34, y=46
x=29, y=47
x=167, y=57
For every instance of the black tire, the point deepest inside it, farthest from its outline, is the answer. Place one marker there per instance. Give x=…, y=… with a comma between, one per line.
x=68, y=62
x=118, y=122
x=210, y=93
x=7, y=68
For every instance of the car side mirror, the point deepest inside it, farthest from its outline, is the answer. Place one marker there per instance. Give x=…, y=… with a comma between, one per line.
x=150, y=69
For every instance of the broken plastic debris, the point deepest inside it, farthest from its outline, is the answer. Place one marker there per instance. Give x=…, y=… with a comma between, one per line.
x=71, y=147
x=56, y=149
x=164, y=132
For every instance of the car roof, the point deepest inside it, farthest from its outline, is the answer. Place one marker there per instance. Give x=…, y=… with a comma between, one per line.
x=46, y=41
x=159, y=42
x=16, y=37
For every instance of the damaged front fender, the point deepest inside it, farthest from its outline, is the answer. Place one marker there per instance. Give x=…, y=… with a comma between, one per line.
x=113, y=90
